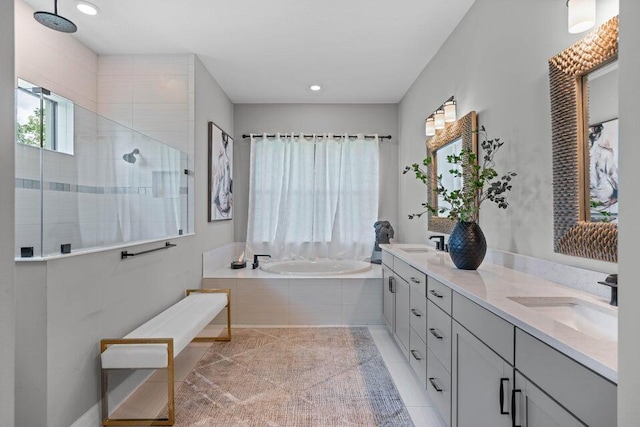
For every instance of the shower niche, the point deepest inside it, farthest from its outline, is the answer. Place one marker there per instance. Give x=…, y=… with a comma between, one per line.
x=88, y=182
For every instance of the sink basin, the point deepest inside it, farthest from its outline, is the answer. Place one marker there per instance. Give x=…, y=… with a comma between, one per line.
x=416, y=250
x=588, y=318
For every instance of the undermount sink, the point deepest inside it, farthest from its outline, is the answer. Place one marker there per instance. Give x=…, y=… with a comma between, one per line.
x=583, y=316
x=416, y=250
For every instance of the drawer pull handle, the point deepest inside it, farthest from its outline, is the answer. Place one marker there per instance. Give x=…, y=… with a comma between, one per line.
x=391, y=279
x=435, y=294
x=416, y=312
x=502, y=390
x=435, y=385
x=416, y=355
x=513, y=408
x=414, y=280
x=435, y=333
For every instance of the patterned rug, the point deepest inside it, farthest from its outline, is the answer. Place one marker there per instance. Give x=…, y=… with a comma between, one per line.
x=291, y=377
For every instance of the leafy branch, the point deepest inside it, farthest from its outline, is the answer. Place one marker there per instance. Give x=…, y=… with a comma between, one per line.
x=481, y=182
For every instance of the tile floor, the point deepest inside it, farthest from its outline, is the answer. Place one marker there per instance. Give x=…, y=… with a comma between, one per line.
x=414, y=396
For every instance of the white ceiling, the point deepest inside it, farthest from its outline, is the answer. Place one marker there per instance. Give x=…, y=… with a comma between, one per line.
x=270, y=51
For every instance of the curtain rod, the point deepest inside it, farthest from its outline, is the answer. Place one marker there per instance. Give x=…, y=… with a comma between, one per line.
x=308, y=135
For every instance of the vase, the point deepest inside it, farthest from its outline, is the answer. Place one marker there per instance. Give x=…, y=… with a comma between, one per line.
x=467, y=245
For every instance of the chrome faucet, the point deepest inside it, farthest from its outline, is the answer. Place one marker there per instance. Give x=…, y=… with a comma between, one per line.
x=440, y=243
x=612, y=282
x=256, y=264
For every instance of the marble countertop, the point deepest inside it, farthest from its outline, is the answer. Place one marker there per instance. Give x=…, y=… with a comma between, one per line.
x=491, y=286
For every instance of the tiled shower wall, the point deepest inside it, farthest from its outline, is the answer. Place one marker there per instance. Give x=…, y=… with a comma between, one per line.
x=153, y=94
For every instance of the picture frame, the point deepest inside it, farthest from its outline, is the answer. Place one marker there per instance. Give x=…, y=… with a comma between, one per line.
x=220, y=178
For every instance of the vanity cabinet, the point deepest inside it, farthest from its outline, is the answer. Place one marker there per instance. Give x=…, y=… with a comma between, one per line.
x=402, y=293
x=481, y=383
x=589, y=397
x=388, y=298
x=532, y=407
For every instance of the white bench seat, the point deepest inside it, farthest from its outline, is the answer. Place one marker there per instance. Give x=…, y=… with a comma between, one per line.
x=156, y=343
x=182, y=322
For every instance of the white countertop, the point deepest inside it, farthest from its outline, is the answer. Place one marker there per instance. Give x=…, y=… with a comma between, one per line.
x=491, y=286
x=249, y=273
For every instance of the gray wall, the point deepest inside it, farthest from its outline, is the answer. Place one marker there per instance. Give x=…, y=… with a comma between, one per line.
x=316, y=118
x=496, y=63
x=629, y=344
x=7, y=135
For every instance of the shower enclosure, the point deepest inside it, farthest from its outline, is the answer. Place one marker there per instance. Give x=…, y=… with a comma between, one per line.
x=88, y=182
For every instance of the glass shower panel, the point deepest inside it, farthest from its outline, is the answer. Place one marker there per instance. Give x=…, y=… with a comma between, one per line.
x=119, y=186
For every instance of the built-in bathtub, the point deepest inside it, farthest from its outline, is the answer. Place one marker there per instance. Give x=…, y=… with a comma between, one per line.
x=320, y=267
x=259, y=297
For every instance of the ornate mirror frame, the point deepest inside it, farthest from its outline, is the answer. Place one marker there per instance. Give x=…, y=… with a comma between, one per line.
x=466, y=128
x=573, y=235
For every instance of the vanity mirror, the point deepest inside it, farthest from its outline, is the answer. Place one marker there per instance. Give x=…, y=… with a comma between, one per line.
x=584, y=110
x=461, y=134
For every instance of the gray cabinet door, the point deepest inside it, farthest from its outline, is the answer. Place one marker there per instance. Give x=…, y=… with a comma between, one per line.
x=481, y=381
x=403, y=292
x=388, y=298
x=533, y=408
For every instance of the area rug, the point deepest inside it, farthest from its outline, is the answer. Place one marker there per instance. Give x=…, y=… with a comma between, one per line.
x=292, y=377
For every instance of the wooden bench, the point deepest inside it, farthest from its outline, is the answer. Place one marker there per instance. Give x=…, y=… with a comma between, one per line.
x=155, y=344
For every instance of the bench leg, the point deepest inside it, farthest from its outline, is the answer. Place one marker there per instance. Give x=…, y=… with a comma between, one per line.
x=170, y=420
x=228, y=306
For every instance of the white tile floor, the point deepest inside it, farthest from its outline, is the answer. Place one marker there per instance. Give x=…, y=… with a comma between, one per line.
x=414, y=396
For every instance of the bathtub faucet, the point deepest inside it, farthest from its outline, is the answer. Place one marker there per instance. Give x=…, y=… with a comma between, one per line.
x=255, y=261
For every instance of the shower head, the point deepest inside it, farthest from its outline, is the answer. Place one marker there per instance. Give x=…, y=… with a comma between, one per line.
x=130, y=157
x=55, y=21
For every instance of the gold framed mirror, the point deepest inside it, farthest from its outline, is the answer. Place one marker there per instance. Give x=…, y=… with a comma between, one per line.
x=585, y=191
x=461, y=134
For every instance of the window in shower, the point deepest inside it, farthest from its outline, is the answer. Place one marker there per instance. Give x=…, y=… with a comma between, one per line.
x=42, y=117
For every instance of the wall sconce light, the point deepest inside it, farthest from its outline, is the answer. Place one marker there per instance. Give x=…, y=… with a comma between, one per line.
x=430, y=126
x=450, y=111
x=437, y=120
x=582, y=15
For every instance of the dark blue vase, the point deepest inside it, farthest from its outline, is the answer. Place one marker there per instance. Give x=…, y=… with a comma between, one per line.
x=467, y=245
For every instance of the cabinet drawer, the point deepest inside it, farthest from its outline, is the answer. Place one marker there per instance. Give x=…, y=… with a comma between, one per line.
x=414, y=277
x=439, y=387
x=440, y=294
x=418, y=357
x=587, y=395
x=495, y=332
x=418, y=313
x=439, y=334
x=387, y=259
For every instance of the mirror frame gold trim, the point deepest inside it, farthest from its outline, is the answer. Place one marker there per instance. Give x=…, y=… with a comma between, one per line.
x=573, y=235
x=466, y=128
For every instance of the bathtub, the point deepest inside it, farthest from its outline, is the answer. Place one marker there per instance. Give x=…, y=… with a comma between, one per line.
x=321, y=267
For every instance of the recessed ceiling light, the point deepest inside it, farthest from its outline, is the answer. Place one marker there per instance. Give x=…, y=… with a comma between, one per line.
x=87, y=8
x=315, y=88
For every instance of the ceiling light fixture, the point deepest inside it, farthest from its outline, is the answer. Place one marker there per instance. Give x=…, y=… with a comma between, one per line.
x=582, y=15
x=315, y=88
x=446, y=113
x=87, y=8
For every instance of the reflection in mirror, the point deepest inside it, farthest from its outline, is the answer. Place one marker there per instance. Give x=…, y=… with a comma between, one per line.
x=600, y=90
x=449, y=181
x=455, y=137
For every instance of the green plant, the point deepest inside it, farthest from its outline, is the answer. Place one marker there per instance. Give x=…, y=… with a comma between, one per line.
x=601, y=209
x=29, y=133
x=481, y=182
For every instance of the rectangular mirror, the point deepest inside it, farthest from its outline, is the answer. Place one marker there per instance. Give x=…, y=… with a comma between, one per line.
x=456, y=136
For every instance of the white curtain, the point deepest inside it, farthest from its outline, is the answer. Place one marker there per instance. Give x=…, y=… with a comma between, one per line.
x=313, y=197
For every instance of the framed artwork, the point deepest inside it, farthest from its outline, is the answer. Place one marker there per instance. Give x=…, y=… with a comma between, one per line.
x=220, y=174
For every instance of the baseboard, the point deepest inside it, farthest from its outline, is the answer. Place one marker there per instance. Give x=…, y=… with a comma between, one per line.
x=93, y=417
